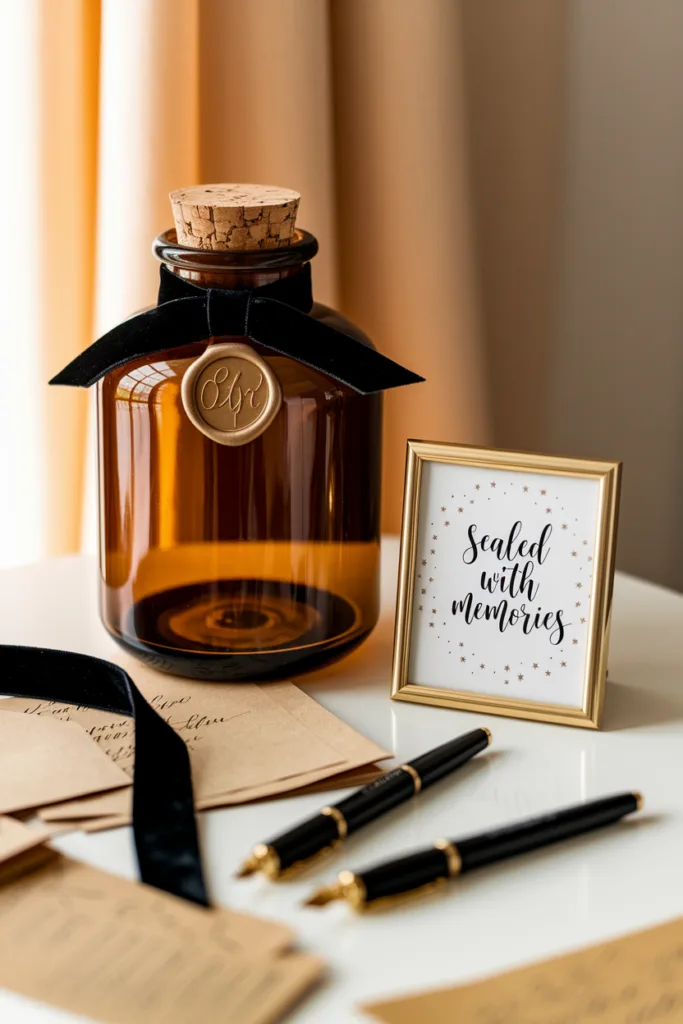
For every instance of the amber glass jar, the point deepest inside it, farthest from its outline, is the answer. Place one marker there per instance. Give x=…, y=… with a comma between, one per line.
x=248, y=562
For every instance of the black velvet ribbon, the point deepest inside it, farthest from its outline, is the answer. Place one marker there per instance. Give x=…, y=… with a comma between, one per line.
x=164, y=825
x=274, y=316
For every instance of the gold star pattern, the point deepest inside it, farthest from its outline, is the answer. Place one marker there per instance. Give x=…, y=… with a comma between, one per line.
x=507, y=668
x=434, y=537
x=583, y=620
x=575, y=641
x=525, y=489
x=579, y=586
x=563, y=664
x=482, y=666
x=544, y=492
x=461, y=510
x=520, y=677
x=493, y=483
x=564, y=526
x=431, y=579
x=535, y=665
x=506, y=681
x=447, y=523
x=463, y=659
x=547, y=673
x=420, y=608
x=423, y=591
x=433, y=611
x=590, y=558
x=424, y=561
x=443, y=508
x=461, y=645
x=432, y=551
x=431, y=625
x=577, y=604
x=585, y=543
x=548, y=511
x=477, y=487
x=574, y=554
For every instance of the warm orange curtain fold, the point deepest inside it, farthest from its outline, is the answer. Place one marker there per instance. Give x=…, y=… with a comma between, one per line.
x=266, y=108
x=148, y=141
x=67, y=153
x=405, y=246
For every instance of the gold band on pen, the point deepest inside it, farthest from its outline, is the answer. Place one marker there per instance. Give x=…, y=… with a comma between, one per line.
x=351, y=887
x=340, y=820
x=417, y=781
x=453, y=858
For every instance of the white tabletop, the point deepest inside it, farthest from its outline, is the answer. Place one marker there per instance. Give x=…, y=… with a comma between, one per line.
x=553, y=901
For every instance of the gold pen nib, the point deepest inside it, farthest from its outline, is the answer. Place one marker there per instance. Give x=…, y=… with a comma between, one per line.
x=250, y=867
x=263, y=858
x=327, y=894
x=348, y=887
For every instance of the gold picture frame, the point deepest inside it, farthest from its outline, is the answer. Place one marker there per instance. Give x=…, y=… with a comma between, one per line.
x=595, y=637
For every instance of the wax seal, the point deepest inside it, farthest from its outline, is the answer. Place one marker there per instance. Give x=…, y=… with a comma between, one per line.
x=231, y=394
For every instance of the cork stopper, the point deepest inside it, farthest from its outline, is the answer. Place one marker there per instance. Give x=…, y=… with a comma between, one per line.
x=234, y=217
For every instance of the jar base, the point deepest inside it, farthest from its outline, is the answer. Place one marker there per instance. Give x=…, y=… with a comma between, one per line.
x=224, y=669
x=241, y=629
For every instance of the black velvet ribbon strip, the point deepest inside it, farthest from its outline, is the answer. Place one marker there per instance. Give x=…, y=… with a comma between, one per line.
x=274, y=316
x=164, y=824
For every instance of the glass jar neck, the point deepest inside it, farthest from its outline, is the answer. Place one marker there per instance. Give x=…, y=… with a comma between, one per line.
x=250, y=269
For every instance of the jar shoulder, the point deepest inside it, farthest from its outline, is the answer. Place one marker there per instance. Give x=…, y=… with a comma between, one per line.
x=333, y=318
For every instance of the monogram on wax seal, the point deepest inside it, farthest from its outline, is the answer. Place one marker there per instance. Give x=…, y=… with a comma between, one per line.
x=231, y=394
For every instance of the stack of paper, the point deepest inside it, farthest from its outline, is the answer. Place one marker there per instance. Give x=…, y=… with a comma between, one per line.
x=246, y=742
x=115, y=951
x=21, y=848
x=43, y=760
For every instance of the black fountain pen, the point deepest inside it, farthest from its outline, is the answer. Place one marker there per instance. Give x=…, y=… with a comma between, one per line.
x=430, y=868
x=332, y=825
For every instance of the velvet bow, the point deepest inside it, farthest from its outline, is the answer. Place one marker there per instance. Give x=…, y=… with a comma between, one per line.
x=274, y=316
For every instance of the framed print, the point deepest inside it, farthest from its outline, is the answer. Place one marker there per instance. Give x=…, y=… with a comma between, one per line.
x=505, y=582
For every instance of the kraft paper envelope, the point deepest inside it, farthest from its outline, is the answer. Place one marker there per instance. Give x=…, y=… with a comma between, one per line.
x=114, y=951
x=21, y=848
x=246, y=742
x=357, y=777
x=43, y=761
x=16, y=838
x=111, y=803
x=628, y=981
x=114, y=809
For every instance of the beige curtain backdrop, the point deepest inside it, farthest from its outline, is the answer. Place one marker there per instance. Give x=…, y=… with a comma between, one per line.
x=144, y=96
x=576, y=153
x=496, y=188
